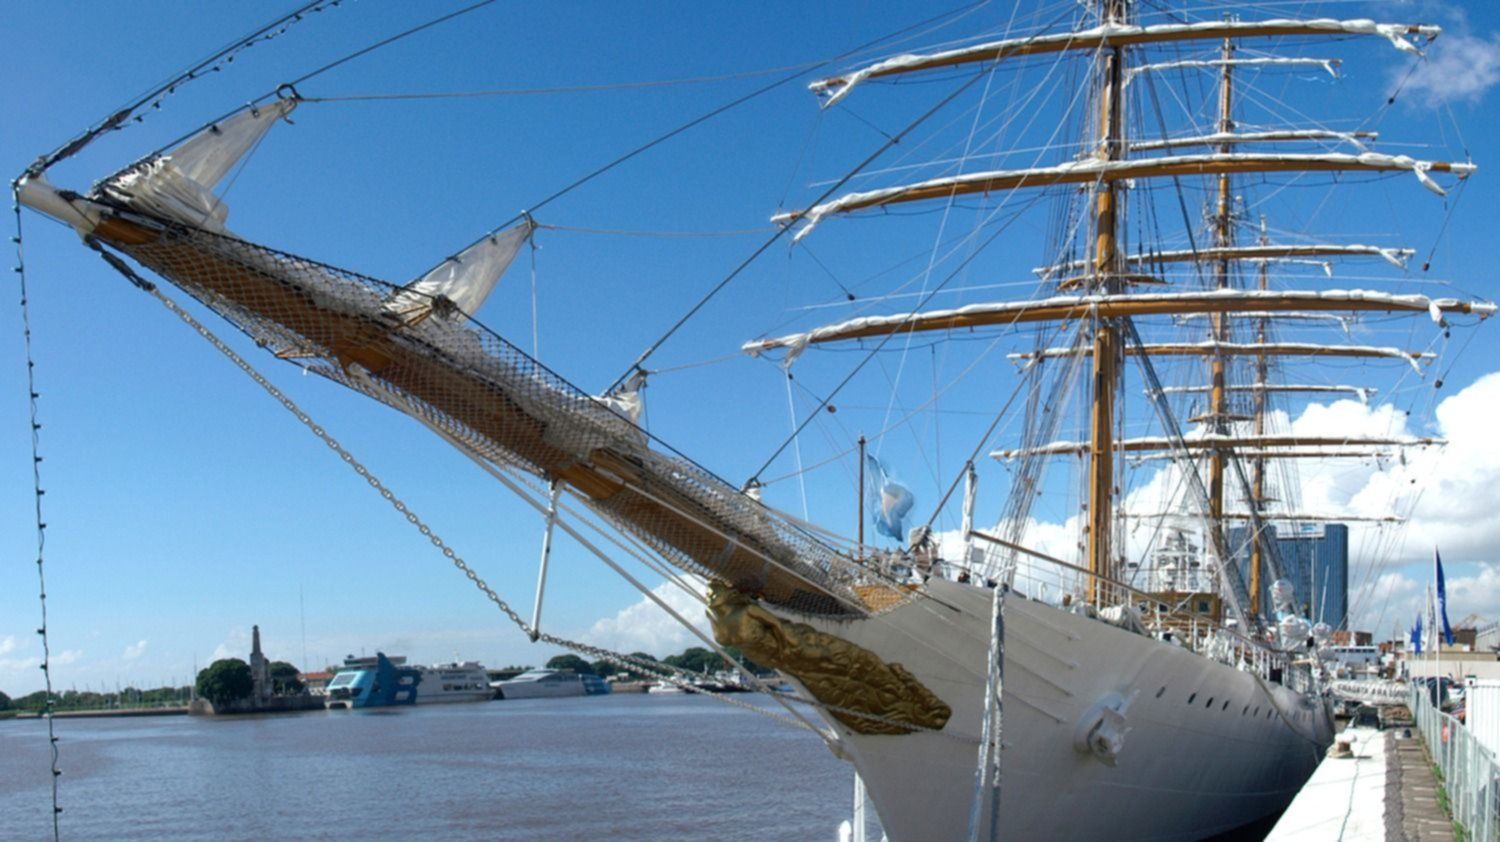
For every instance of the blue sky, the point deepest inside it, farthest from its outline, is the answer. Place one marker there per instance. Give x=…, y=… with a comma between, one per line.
x=183, y=506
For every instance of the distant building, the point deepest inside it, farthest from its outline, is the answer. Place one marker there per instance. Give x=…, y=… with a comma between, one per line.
x=1315, y=558
x=316, y=683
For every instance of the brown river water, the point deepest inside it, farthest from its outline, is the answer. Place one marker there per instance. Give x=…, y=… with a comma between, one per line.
x=614, y=767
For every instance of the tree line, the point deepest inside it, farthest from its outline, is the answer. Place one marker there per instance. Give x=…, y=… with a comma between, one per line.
x=127, y=697
x=693, y=659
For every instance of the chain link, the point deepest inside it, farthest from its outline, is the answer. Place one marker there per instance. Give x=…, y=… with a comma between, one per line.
x=672, y=675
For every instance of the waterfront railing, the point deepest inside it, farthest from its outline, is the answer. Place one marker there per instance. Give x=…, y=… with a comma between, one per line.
x=1469, y=772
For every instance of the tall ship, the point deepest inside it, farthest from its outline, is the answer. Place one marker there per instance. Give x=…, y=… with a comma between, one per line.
x=1146, y=660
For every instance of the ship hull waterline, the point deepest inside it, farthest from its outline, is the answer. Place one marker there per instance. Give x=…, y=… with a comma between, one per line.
x=1209, y=748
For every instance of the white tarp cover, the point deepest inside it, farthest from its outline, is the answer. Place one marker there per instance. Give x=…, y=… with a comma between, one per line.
x=1123, y=616
x=467, y=278
x=179, y=186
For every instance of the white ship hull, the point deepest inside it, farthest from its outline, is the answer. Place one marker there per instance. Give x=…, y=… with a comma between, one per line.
x=1187, y=769
x=449, y=683
x=541, y=690
x=445, y=697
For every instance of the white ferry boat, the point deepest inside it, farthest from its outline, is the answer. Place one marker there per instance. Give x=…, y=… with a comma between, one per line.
x=546, y=684
x=455, y=682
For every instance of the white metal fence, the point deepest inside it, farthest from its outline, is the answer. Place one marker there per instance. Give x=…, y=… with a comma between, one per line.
x=1471, y=776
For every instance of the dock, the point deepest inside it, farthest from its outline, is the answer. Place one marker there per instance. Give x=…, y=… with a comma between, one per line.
x=1382, y=787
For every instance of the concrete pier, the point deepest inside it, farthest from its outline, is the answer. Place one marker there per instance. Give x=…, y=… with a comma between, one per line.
x=1382, y=788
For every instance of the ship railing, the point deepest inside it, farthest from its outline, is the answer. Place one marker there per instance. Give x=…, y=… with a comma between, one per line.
x=1468, y=771
x=1162, y=615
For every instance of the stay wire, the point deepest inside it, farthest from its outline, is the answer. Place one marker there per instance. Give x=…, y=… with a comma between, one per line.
x=755, y=478
x=36, y=486
x=696, y=121
x=119, y=118
x=782, y=232
x=388, y=41
x=565, y=89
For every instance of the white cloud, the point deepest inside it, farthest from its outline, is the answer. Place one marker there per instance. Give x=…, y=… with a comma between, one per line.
x=236, y=645
x=67, y=656
x=1457, y=68
x=134, y=651
x=644, y=627
x=8, y=644
x=1447, y=493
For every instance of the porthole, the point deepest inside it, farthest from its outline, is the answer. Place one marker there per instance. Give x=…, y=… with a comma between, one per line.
x=1210, y=703
x=1257, y=712
x=1226, y=705
x=1246, y=711
x=1192, y=697
x=1160, y=692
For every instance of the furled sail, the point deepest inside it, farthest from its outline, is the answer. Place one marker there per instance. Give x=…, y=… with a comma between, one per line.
x=1354, y=139
x=178, y=186
x=466, y=279
x=1272, y=251
x=1329, y=64
x=1118, y=34
x=1106, y=306
x=1094, y=170
x=1216, y=441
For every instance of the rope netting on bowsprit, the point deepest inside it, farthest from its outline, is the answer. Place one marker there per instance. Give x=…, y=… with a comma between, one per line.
x=419, y=342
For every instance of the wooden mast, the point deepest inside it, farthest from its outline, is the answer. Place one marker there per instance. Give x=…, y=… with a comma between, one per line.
x=1258, y=470
x=1218, y=410
x=1106, y=357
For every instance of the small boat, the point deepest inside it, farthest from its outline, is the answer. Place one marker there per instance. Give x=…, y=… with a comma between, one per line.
x=664, y=689
x=374, y=682
x=455, y=682
x=547, y=683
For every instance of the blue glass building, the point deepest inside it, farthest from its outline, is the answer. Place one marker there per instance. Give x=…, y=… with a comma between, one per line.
x=1315, y=558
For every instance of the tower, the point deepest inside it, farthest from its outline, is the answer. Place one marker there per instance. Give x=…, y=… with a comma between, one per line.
x=260, y=669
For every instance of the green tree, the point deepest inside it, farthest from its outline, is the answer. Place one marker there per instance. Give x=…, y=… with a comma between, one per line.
x=284, y=680
x=4, y=702
x=601, y=668
x=224, y=681
x=570, y=662
x=696, y=659
x=734, y=652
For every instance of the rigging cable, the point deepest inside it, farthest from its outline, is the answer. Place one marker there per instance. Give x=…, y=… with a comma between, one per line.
x=755, y=478
x=571, y=89
x=154, y=97
x=36, y=487
x=717, y=288
x=782, y=232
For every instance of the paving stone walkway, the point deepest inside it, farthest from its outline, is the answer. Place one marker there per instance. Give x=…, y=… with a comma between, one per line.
x=1412, y=810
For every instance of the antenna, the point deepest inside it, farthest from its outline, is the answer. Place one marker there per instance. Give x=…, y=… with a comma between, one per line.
x=302, y=609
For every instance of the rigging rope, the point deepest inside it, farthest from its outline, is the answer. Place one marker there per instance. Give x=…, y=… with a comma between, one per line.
x=782, y=232
x=664, y=672
x=36, y=487
x=963, y=264
x=155, y=96
x=570, y=89
x=667, y=673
